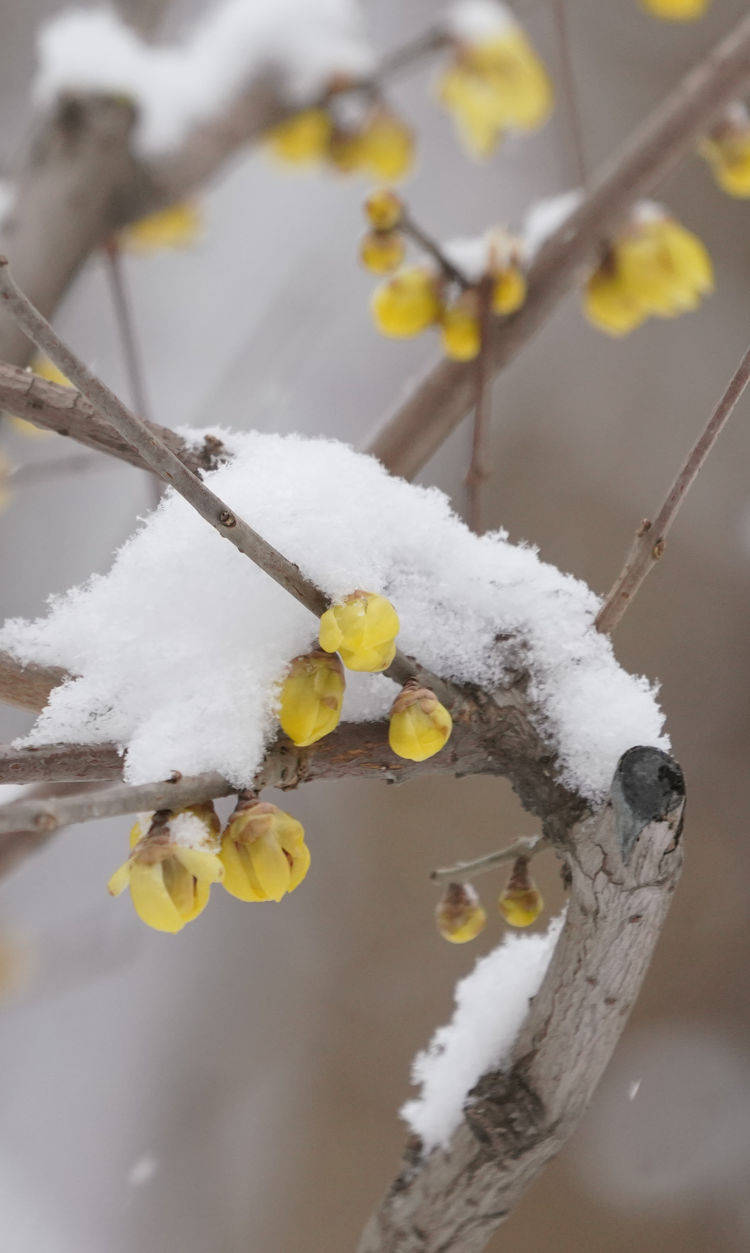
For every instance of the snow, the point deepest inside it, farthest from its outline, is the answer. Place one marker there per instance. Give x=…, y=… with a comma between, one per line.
x=473, y=21
x=546, y=216
x=181, y=86
x=180, y=647
x=491, y=1005
x=474, y=255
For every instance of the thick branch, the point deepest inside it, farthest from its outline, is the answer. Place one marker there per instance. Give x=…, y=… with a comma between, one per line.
x=624, y=864
x=648, y=545
x=445, y=395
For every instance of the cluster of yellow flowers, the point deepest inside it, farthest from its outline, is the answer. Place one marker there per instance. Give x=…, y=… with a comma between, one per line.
x=676, y=10
x=417, y=297
x=727, y=150
x=494, y=85
x=377, y=144
x=654, y=268
x=176, y=857
x=459, y=914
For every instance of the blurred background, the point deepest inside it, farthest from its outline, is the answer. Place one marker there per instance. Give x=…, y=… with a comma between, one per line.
x=237, y=1088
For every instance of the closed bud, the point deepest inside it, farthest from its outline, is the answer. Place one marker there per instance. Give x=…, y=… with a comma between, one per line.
x=381, y=251
x=178, y=226
x=302, y=139
x=521, y=901
x=363, y=629
x=383, y=209
x=386, y=146
x=419, y=724
x=174, y=859
x=459, y=915
x=406, y=304
x=311, y=697
x=727, y=150
x=263, y=852
x=508, y=290
x=461, y=331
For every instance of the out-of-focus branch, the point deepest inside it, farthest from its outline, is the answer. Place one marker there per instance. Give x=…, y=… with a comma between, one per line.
x=479, y=466
x=649, y=542
x=445, y=395
x=624, y=863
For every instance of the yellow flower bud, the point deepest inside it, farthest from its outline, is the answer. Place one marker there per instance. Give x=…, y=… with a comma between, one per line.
x=263, y=852
x=363, y=629
x=383, y=209
x=381, y=251
x=387, y=146
x=676, y=10
x=178, y=226
x=521, y=901
x=508, y=290
x=302, y=139
x=461, y=330
x=727, y=150
x=171, y=867
x=608, y=306
x=459, y=915
x=419, y=725
x=311, y=697
x=407, y=303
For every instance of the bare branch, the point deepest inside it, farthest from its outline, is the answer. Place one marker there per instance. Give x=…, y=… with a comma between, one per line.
x=408, y=226
x=648, y=545
x=27, y=686
x=462, y=871
x=624, y=863
x=59, y=762
x=569, y=93
x=479, y=466
x=445, y=395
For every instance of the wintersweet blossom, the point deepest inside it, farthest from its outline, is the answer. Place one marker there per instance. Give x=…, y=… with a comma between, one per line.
x=177, y=226
x=461, y=333
x=382, y=251
x=311, y=697
x=263, y=852
x=419, y=725
x=676, y=10
x=363, y=629
x=727, y=151
x=406, y=304
x=520, y=902
x=459, y=916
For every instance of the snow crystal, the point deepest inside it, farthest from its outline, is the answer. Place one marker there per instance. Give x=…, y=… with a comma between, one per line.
x=189, y=831
x=491, y=1005
x=476, y=20
x=180, y=86
x=546, y=216
x=180, y=647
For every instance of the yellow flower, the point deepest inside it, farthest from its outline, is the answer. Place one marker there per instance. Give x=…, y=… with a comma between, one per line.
x=461, y=331
x=263, y=852
x=676, y=10
x=178, y=226
x=508, y=290
x=609, y=306
x=381, y=251
x=171, y=867
x=419, y=725
x=363, y=628
x=386, y=146
x=303, y=138
x=383, y=209
x=406, y=304
x=459, y=915
x=521, y=902
x=727, y=150
x=311, y=697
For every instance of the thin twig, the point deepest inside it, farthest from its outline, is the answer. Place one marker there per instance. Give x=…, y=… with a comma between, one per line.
x=524, y=846
x=429, y=245
x=479, y=466
x=648, y=545
x=410, y=54
x=569, y=92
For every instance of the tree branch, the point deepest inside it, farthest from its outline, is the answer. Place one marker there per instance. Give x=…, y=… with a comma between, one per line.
x=27, y=686
x=624, y=863
x=462, y=871
x=445, y=395
x=649, y=542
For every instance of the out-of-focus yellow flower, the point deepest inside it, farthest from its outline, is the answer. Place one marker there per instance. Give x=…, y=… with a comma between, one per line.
x=676, y=10
x=461, y=331
x=302, y=139
x=171, y=867
x=263, y=852
x=654, y=268
x=419, y=725
x=406, y=304
x=459, y=915
x=311, y=697
x=727, y=151
x=520, y=903
x=363, y=629
x=508, y=290
x=381, y=251
x=495, y=85
x=381, y=147
x=383, y=209
x=178, y=226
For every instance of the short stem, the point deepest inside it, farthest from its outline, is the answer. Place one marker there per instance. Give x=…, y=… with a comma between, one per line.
x=568, y=82
x=525, y=846
x=429, y=245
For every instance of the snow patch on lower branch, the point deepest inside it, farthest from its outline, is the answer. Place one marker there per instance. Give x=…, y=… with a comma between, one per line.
x=491, y=1005
x=179, y=649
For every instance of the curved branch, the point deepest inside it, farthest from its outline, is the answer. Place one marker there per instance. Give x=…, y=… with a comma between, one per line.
x=624, y=863
x=445, y=395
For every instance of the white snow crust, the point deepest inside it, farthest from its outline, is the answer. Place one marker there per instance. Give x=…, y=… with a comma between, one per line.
x=546, y=216
x=473, y=21
x=179, y=86
x=180, y=647
x=491, y=1005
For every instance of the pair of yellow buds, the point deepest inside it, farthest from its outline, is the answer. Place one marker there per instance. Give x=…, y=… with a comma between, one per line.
x=459, y=914
x=363, y=630
x=176, y=858
x=379, y=146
